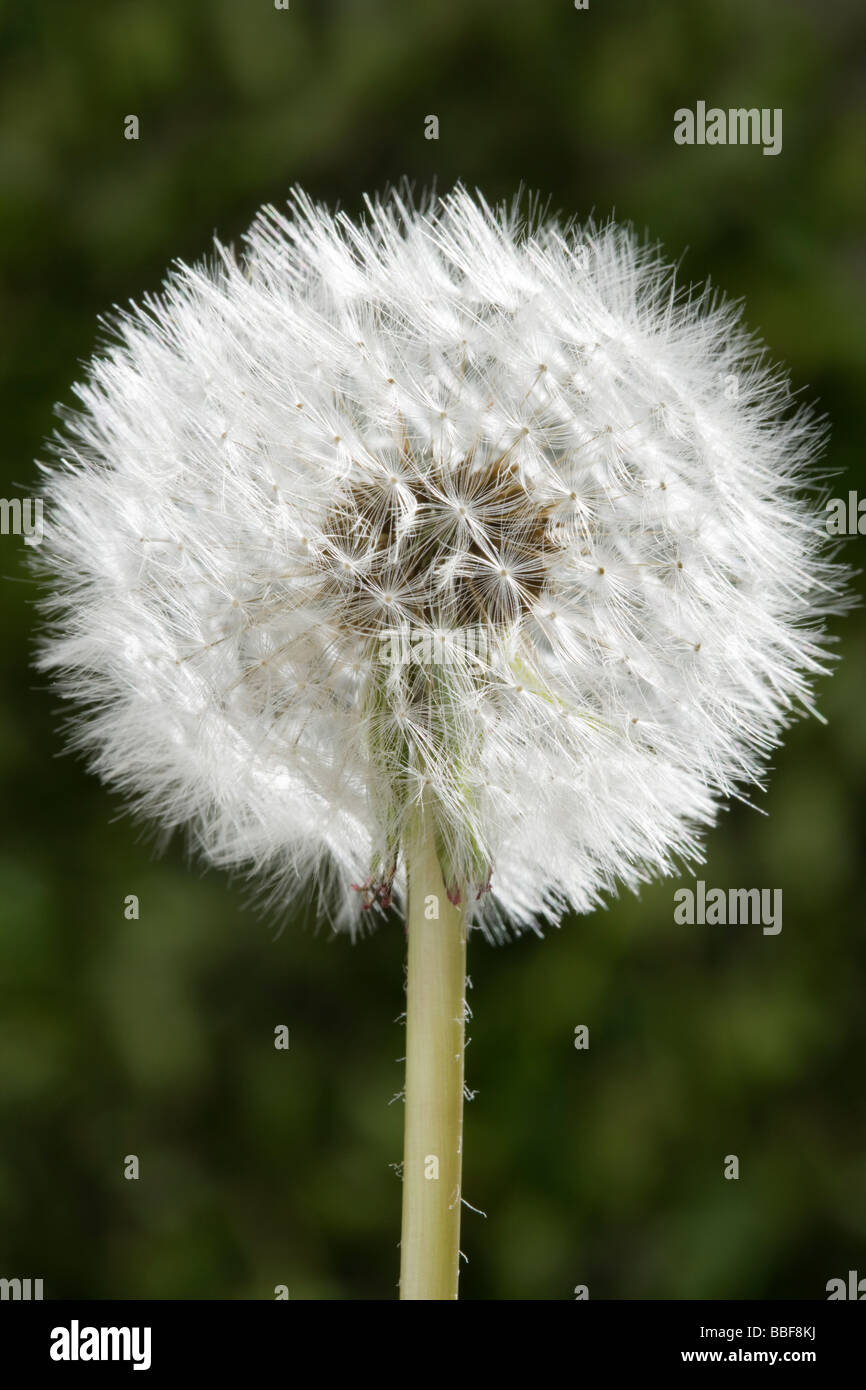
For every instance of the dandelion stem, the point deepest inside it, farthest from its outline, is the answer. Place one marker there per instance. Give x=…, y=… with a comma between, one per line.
x=433, y=1135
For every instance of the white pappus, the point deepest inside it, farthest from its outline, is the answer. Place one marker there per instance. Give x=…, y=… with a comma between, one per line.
x=498, y=440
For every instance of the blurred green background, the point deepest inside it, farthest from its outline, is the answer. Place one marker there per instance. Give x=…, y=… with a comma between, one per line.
x=155, y=1037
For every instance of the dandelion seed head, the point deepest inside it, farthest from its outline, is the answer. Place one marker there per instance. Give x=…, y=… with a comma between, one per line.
x=290, y=468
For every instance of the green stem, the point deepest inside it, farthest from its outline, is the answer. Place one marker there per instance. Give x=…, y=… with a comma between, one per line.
x=433, y=1134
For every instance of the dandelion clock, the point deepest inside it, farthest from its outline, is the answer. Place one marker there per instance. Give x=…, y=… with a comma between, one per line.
x=452, y=563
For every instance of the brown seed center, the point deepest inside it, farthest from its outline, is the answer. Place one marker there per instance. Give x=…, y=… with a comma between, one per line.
x=443, y=547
